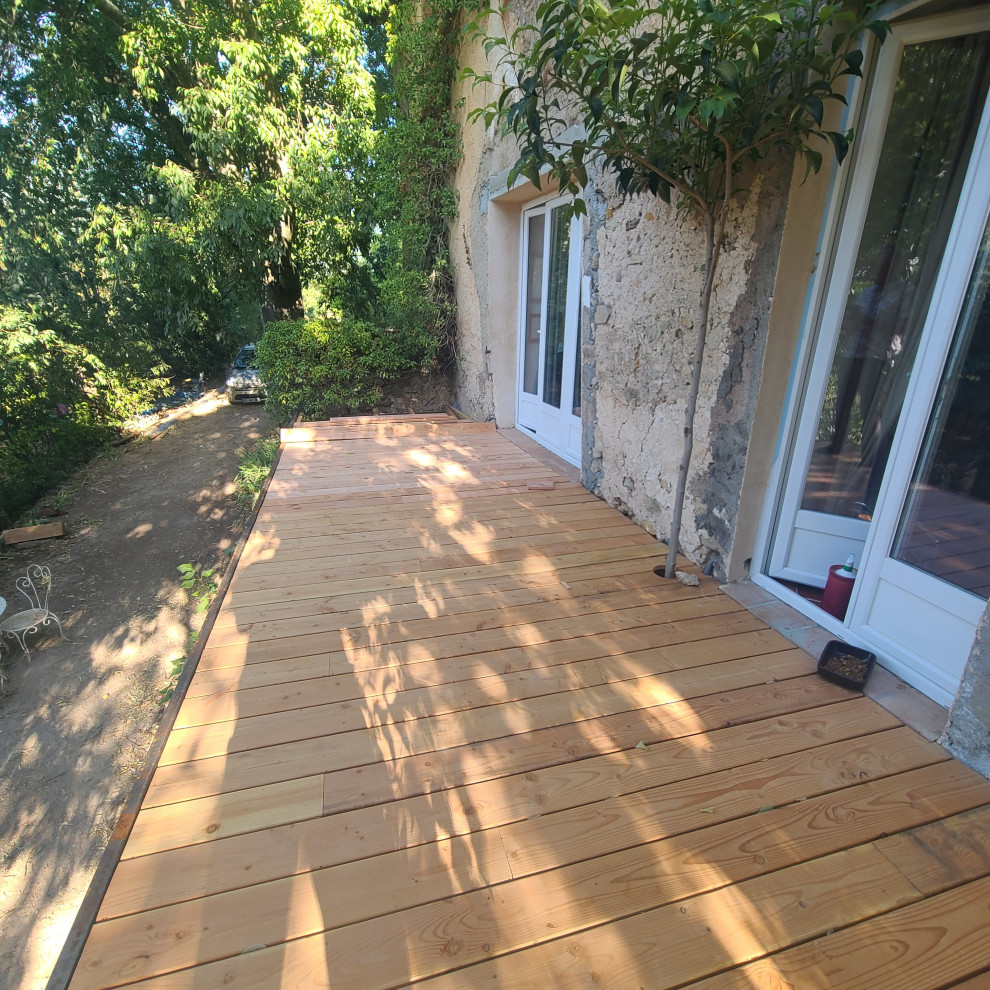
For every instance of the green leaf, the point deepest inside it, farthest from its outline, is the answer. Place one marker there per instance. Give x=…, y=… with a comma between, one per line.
x=728, y=73
x=840, y=142
x=813, y=104
x=879, y=28
x=813, y=161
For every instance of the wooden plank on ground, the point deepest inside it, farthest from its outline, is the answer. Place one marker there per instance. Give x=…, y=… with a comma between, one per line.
x=429, y=585
x=943, y=854
x=606, y=823
x=360, y=630
x=405, y=620
x=450, y=730
x=368, y=732
x=648, y=626
x=686, y=641
x=527, y=752
x=328, y=431
x=678, y=943
x=687, y=941
x=241, y=860
x=25, y=534
x=404, y=696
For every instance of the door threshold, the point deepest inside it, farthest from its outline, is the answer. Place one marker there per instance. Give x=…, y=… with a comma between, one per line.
x=524, y=439
x=915, y=709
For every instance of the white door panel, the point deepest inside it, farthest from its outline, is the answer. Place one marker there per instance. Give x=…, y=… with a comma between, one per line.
x=891, y=460
x=548, y=402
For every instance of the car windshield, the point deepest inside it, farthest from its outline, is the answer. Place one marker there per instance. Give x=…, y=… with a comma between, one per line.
x=246, y=361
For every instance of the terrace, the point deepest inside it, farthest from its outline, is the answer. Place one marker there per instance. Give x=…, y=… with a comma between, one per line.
x=449, y=730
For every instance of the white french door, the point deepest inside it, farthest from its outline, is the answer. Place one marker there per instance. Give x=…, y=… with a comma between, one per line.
x=548, y=401
x=891, y=455
x=926, y=574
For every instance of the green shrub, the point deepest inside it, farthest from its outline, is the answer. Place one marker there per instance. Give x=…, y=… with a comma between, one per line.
x=58, y=403
x=327, y=367
x=253, y=470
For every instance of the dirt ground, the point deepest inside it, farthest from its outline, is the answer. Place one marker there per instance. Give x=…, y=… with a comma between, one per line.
x=77, y=720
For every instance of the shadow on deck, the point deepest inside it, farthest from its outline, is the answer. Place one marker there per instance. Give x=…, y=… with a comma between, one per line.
x=450, y=730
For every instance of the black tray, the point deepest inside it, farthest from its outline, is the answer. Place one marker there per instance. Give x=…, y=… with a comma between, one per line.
x=836, y=647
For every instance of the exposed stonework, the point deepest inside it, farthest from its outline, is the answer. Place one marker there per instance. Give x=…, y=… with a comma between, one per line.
x=967, y=735
x=642, y=262
x=591, y=462
x=648, y=282
x=735, y=401
x=416, y=394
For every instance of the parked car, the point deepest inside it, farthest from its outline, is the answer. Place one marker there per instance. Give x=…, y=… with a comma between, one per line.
x=244, y=381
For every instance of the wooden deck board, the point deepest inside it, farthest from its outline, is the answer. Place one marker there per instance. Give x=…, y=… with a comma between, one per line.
x=450, y=730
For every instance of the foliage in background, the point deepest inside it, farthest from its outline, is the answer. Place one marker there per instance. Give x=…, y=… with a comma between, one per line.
x=254, y=468
x=174, y=175
x=201, y=129
x=326, y=367
x=59, y=401
x=166, y=171
x=415, y=156
x=674, y=97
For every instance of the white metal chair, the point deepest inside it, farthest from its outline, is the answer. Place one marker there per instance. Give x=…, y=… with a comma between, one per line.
x=35, y=586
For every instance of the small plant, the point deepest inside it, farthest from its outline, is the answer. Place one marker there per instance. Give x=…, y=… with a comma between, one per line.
x=201, y=583
x=254, y=467
x=175, y=670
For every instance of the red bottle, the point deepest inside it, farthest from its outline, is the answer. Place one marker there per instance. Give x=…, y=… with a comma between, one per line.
x=838, y=588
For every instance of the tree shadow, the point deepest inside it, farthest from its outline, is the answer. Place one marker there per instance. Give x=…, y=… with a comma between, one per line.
x=77, y=718
x=431, y=728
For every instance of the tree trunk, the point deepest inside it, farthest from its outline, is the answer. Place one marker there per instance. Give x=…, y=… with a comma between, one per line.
x=282, y=293
x=704, y=305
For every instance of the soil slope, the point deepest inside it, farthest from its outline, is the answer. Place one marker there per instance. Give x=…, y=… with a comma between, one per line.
x=76, y=721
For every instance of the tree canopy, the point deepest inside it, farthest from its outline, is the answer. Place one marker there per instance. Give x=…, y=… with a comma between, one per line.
x=162, y=137
x=175, y=174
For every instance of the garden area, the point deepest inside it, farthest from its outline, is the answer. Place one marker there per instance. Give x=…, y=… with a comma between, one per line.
x=180, y=180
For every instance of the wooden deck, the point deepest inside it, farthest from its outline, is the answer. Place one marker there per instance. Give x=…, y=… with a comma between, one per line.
x=450, y=730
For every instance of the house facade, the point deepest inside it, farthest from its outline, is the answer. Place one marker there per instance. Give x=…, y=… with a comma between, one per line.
x=845, y=398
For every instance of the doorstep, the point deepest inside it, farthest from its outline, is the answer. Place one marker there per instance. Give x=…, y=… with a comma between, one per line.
x=913, y=708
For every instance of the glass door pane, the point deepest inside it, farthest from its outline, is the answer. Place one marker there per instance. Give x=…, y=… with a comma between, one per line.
x=933, y=119
x=945, y=527
x=556, y=323
x=534, y=303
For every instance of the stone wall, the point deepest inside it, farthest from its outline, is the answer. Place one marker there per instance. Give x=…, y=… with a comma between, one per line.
x=967, y=734
x=420, y=393
x=645, y=263
x=646, y=275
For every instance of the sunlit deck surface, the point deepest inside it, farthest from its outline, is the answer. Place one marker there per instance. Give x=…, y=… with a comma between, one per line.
x=450, y=730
